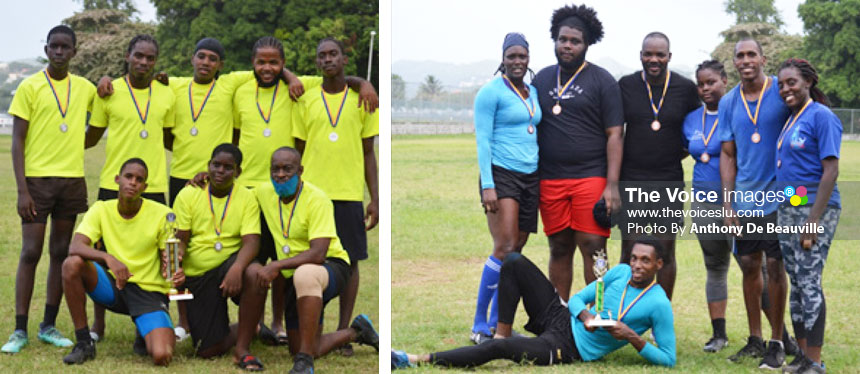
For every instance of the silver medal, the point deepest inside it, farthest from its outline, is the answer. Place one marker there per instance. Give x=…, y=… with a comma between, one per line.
x=64, y=128
x=219, y=246
x=332, y=136
x=144, y=134
x=193, y=131
x=286, y=249
x=267, y=132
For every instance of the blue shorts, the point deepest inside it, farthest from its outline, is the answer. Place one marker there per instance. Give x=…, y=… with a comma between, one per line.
x=147, y=309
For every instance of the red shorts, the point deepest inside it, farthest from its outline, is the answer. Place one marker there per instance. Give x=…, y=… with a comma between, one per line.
x=569, y=203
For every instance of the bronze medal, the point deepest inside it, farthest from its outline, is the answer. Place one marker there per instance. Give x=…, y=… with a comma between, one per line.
x=705, y=157
x=755, y=137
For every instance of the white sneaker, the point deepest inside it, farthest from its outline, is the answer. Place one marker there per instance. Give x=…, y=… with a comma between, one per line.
x=180, y=333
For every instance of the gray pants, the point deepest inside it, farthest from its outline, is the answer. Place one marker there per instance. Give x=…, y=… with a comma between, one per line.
x=717, y=249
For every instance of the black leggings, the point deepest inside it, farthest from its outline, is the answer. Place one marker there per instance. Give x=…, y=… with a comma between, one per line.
x=520, y=278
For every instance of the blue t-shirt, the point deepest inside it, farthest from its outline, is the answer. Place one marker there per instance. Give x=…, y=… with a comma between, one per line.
x=816, y=135
x=756, y=164
x=502, y=130
x=653, y=310
x=706, y=175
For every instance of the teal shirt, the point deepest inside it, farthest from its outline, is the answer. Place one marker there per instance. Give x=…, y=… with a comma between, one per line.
x=653, y=310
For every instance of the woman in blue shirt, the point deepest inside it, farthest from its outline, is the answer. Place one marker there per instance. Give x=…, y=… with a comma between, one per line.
x=506, y=116
x=699, y=140
x=807, y=164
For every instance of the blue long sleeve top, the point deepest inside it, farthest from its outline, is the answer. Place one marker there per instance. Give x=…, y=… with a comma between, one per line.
x=653, y=310
x=502, y=124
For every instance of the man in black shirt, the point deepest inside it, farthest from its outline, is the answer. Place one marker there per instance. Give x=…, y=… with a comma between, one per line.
x=580, y=140
x=655, y=104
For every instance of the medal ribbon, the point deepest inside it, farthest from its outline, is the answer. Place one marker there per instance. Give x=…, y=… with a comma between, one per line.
x=134, y=99
x=656, y=109
x=223, y=214
x=752, y=118
x=272, y=106
x=786, y=131
x=517, y=91
x=561, y=90
x=286, y=231
x=708, y=139
x=54, y=91
x=328, y=111
x=621, y=305
x=194, y=116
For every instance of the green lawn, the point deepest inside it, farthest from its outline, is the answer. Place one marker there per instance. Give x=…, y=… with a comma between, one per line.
x=114, y=353
x=440, y=242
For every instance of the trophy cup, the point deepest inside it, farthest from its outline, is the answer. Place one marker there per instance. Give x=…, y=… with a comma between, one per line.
x=600, y=268
x=172, y=246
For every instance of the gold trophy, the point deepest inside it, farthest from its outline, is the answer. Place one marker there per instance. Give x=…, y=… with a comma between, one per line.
x=171, y=245
x=600, y=268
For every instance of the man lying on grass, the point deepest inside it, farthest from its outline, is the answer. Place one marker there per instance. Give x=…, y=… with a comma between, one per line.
x=563, y=335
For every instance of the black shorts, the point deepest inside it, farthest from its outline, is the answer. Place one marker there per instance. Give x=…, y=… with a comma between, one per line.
x=524, y=188
x=338, y=273
x=131, y=300
x=208, y=317
x=638, y=212
x=105, y=194
x=60, y=198
x=176, y=185
x=267, y=243
x=752, y=243
x=349, y=220
x=553, y=326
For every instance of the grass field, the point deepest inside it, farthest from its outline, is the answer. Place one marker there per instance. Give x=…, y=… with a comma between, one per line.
x=114, y=352
x=440, y=241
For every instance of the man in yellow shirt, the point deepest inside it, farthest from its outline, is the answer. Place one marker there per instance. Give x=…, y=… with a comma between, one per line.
x=310, y=257
x=219, y=233
x=336, y=139
x=50, y=114
x=126, y=278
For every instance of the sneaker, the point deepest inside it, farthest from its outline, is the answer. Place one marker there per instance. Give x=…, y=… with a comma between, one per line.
x=83, y=351
x=346, y=350
x=797, y=363
x=302, y=364
x=139, y=346
x=399, y=360
x=716, y=344
x=812, y=368
x=95, y=336
x=479, y=337
x=367, y=335
x=180, y=333
x=790, y=345
x=17, y=340
x=51, y=335
x=774, y=357
x=754, y=348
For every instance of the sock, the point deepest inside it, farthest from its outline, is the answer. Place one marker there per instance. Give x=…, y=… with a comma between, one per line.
x=489, y=284
x=50, y=317
x=494, y=311
x=83, y=335
x=719, y=326
x=21, y=323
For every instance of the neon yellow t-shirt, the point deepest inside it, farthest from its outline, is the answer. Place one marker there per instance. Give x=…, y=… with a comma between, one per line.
x=334, y=163
x=214, y=123
x=257, y=148
x=124, y=140
x=49, y=151
x=312, y=218
x=193, y=213
x=135, y=242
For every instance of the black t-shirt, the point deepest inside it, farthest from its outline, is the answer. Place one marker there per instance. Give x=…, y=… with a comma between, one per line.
x=573, y=143
x=655, y=155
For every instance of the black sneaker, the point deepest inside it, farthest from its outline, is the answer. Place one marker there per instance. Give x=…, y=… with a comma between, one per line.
x=302, y=364
x=139, y=347
x=790, y=344
x=774, y=357
x=716, y=344
x=83, y=351
x=754, y=348
x=799, y=361
x=812, y=368
x=367, y=335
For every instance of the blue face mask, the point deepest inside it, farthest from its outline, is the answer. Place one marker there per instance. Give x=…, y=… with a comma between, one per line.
x=287, y=188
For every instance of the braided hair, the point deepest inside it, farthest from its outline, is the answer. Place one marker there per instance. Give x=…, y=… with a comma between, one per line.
x=714, y=66
x=578, y=17
x=137, y=39
x=810, y=75
x=268, y=42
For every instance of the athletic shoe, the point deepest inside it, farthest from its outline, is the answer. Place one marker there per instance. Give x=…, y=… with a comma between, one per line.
x=180, y=333
x=812, y=368
x=716, y=344
x=754, y=348
x=399, y=360
x=139, y=346
x=302, y=364
x=367, y=335
x=797, y=363
x=95, y=336
x=790, y=344
x=51, y=335
x=480, y=338
x=83, y=351
x=774, y=357
x=17, y=340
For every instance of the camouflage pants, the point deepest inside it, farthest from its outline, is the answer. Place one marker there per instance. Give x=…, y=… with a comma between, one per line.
x=805, y=266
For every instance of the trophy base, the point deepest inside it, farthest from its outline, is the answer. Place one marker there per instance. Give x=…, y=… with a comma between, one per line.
x=599, y=322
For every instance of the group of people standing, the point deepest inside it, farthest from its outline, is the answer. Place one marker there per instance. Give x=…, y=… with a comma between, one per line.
x=567, y=144
x=266, y=189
